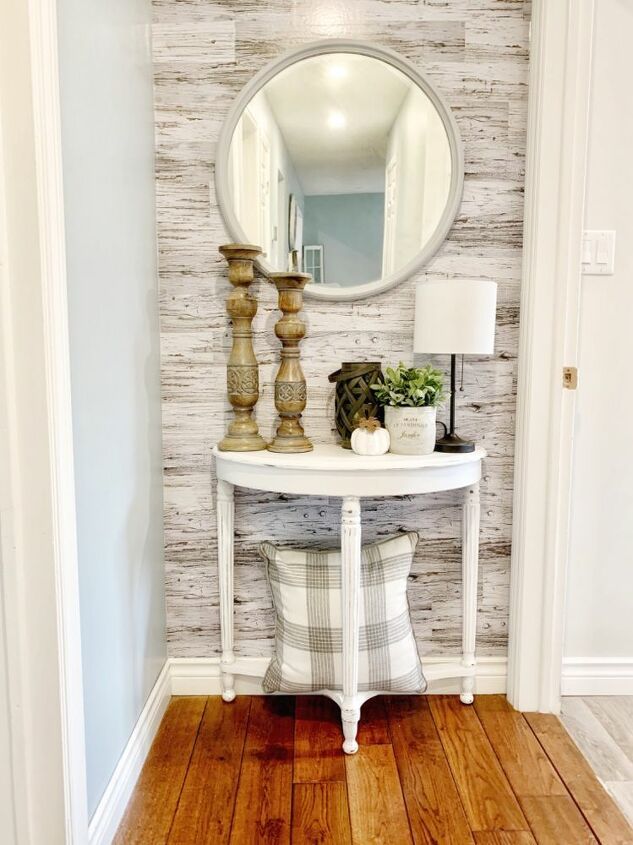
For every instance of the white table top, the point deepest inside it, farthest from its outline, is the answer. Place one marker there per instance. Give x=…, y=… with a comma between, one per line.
x=331, y=470
x=328, y=456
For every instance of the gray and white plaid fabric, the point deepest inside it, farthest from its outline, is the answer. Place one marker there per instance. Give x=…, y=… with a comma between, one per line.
x=306, y=590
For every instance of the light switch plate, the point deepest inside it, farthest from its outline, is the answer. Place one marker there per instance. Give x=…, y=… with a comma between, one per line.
x=598, y=252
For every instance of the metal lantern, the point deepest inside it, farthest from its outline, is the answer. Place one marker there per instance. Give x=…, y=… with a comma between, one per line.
x=355, y=396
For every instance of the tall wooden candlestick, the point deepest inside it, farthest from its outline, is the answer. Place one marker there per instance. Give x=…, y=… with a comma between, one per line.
x=242, y=375
x=290, y=383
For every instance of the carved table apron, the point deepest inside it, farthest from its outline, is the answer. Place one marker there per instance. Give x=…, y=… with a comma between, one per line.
x=333, y=471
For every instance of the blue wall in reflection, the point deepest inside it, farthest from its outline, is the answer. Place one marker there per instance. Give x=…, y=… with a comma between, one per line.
x=350, y=229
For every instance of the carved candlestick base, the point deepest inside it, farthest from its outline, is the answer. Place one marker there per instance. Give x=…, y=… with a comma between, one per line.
x=242, y=375
x=290, y=383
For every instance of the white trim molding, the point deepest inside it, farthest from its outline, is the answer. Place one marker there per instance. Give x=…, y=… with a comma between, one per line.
x=48, y=159
x=111, y=807
x=202, y=676
x=39, y=578
x=560, y=71
x=597, y=676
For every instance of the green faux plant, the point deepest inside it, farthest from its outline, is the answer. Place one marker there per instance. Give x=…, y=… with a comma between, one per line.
x=412, y=387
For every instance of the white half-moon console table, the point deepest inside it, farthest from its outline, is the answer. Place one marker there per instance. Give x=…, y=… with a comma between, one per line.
x=334, y=471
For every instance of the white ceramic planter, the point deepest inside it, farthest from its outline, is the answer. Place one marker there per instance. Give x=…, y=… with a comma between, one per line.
x=412, y=430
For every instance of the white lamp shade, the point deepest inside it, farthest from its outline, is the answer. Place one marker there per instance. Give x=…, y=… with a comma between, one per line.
x=455, y=317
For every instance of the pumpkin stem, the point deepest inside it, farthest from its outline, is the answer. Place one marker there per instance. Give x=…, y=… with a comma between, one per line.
x=365, y=419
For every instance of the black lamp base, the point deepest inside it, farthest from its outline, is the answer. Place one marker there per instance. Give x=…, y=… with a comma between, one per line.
x=454, y=443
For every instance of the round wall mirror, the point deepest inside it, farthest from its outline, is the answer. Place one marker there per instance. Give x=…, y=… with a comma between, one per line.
x=340, y=160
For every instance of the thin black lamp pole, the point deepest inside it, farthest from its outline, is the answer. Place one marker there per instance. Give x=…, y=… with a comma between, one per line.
x=451, y=431
x=452, y=442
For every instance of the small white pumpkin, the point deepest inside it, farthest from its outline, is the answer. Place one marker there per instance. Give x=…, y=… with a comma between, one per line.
x=369, y=438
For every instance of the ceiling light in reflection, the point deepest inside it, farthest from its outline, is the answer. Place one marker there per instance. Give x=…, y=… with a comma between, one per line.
x=337, y=72
x=336, y=120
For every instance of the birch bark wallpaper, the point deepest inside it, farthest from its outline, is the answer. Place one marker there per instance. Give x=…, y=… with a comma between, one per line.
x=476, y=53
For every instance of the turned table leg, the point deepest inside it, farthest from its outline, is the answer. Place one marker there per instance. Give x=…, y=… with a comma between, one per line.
x=225, y=514
x=470, y=565
x=350, y=596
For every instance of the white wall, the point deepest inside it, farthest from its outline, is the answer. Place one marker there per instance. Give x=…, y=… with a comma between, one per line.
x=599, y=620
x=7, y=776
x=419, y=144
x=108, y=142
x=7, y=792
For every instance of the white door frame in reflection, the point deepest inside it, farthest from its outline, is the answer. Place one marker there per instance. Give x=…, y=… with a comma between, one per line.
x=396, y=61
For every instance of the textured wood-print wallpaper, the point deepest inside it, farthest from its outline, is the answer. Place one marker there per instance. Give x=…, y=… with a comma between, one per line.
x=476, y=53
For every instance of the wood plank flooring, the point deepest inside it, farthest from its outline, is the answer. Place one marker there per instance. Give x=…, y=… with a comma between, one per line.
x=429, y=770
x=602, y=727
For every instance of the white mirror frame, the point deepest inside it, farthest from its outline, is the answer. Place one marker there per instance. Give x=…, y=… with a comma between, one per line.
x=319, y=48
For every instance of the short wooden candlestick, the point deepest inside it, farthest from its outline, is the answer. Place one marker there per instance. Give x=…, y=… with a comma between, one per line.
x=290, y=383
x=242, y=374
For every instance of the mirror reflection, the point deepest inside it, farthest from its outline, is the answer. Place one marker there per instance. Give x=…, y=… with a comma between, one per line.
x=340, y=166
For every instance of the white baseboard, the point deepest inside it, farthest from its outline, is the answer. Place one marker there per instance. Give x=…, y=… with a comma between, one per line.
x=111, y=808
x=597, y=676
x=201, y=676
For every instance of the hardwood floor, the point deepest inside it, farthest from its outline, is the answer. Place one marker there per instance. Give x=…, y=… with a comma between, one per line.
x=429, y=770
x=602, y=727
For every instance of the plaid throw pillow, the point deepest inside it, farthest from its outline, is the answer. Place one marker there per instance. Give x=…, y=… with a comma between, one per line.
x=306, y=589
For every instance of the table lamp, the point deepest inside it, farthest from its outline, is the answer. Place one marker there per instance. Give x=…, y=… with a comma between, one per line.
x=455, y=317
